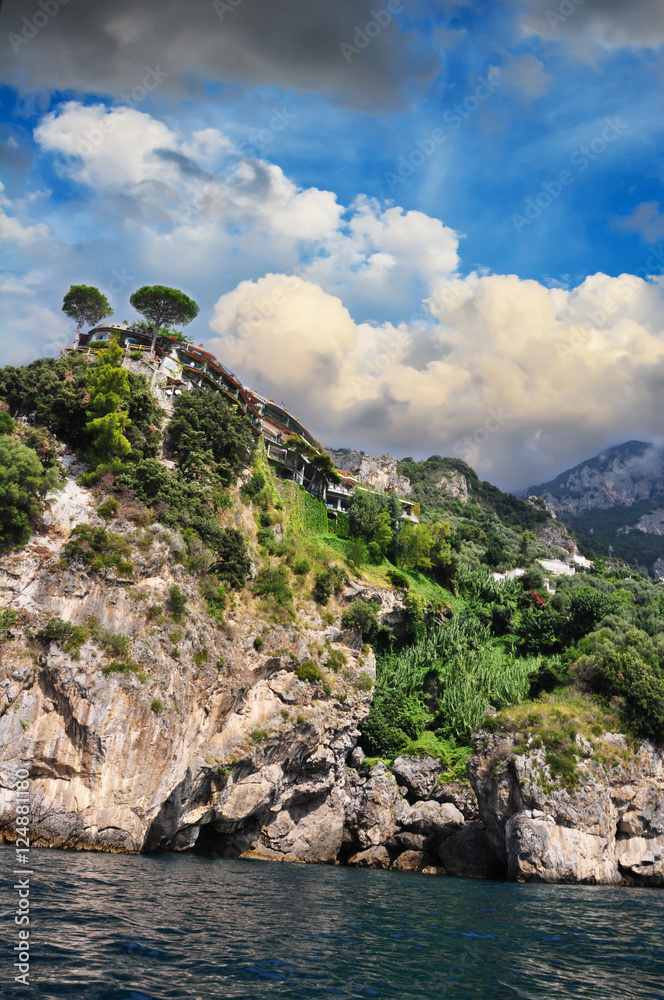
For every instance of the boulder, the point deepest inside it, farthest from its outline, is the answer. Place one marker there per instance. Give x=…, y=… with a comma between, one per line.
x=409, y=861
x=440, y=818
x=373, y=857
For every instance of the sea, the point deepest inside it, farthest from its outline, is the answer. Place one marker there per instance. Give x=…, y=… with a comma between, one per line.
x=152, y=927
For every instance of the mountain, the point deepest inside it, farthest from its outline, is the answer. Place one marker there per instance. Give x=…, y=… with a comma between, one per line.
x=614, y=503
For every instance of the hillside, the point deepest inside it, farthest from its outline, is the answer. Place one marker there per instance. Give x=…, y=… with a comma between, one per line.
x=192, y=655
x=614, y=504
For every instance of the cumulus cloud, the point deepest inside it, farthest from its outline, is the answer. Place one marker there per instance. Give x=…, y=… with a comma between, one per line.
x=514, y=377
x=98, y=47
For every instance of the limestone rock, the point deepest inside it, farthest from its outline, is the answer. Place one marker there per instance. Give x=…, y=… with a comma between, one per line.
x=372, y=857
x=603, y=831
x=409, y=861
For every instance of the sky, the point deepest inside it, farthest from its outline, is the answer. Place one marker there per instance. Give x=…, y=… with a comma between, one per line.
x=428, y=227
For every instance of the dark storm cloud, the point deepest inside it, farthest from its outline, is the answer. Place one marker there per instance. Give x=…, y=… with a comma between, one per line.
x=107, y=48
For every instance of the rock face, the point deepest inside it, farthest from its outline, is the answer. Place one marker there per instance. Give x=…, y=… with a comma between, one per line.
x=415, y=830
x=149, y=733
x=381, y=473
x=619, y=477
x=608, y=829
x=158, y=734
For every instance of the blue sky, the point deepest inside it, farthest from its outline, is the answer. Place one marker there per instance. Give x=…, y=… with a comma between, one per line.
x=457, y=186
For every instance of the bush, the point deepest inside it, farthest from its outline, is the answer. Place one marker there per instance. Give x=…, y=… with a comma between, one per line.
x=329, y=581
x=301, y=566
x=253, y=487
x=260, y=735
x=123, y=668
x=23, y=483
x=99, y=550
x=398, y=579
x=357, y=553
x=9, y=618
x=335, y=660
x=157, y=706
x=273, y=582
x=258, y=643
x=215, y=595
x=108, y=509
x=362, y=615
x=308, y=671
x=69, y=637
x=364, y=682
x=201, y=657
x=234, y=563
x=176, y=602
x=265, y=519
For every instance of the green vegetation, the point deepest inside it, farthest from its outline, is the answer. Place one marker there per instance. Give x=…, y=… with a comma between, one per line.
x=308, y=671
x=24, y=482
x=85, y=304
x=9, y=619
x=69, y=637
x=210, y=438
x=163, y=306
x=176, y=602
x=272, y=582
x=109, y=389
x=99, y=550
x=157, y=706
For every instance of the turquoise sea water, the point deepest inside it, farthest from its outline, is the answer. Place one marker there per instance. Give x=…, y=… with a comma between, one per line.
x=112, y=927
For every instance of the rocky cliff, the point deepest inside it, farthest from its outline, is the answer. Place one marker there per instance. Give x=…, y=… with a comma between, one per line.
x=605, y=826
x=381, y=473
x=614, y=503
x=146, y=730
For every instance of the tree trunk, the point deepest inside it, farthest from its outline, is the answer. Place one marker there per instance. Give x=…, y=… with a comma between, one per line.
x=77, y=335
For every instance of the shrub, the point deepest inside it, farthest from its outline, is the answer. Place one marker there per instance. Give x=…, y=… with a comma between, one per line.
x=329, y=581
x=260, y=735
x=108, y=509
x=361, y=615
x=258, y=643
x=123, y=668
x=176, y=602
x=69, y=637
x=335, y=660
x=234, y=563
x=273, y=582
x=115, y=643
x=308, y=671
x=364, y=682
x=99, y=550
x=9, y=618
x=23, y=483
x=155, y=611
x=200, y=657
x=253, y=487
x=300, y=719
x=300, y=566
x=398, y=579
x=157, y=706
x=215, y=595
x=265, y=519
x=357, y=553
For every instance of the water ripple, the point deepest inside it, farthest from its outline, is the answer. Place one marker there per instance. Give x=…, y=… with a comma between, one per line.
x=173, y=927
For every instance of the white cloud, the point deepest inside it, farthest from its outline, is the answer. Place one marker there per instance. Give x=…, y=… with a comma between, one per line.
x=515, y=378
